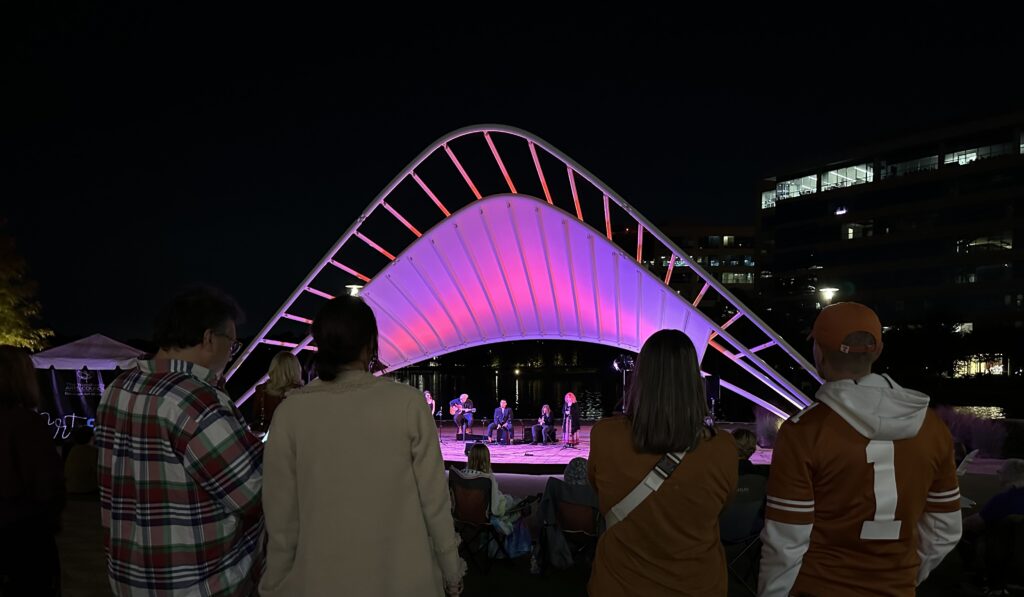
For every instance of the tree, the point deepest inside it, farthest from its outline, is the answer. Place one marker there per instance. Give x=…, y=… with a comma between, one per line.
x=19, y=311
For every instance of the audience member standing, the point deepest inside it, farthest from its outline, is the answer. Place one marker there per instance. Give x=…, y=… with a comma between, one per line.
x=668, y=544
x=31, y=484
x=863, y=496
x=180, y=475
x=338, y=522
x=285, y=375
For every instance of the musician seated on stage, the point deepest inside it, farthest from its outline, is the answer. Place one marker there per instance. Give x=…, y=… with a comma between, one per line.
x=502, y=420
x=462, y=408
x=544, y=430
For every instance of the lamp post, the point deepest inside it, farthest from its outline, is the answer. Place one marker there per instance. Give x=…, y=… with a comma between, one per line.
x=828, y=294
x=624, y=363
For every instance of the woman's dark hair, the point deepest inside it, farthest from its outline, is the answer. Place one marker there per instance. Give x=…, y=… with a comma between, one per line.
x=182, y=322
x=666, y=401
x=343, y=328
x=18, y=384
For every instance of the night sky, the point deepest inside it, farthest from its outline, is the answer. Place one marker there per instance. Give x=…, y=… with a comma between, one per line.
x=142, y=152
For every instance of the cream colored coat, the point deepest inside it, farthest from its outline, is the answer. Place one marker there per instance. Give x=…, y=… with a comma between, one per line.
x=355, y=495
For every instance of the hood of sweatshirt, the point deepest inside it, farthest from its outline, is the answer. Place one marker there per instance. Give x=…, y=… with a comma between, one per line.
x=876, y=406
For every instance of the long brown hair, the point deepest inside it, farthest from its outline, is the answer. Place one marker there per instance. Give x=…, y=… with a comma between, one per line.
x=479, y=458
x=18, y=385
x=666, y=400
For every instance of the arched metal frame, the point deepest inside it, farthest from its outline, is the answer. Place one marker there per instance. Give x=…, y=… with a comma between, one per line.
x=501, y=256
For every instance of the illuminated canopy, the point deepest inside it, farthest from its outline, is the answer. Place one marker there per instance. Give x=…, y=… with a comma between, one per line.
x=511, y=265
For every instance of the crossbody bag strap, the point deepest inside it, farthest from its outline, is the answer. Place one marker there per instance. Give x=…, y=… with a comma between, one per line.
x=651, y=483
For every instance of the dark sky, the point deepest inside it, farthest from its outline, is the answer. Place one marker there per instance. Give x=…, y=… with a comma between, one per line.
x=145, y=151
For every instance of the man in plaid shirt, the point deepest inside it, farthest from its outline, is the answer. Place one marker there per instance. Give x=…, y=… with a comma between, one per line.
x=180, y=476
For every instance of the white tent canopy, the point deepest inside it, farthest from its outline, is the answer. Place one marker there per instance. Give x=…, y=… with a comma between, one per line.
x=97, y=352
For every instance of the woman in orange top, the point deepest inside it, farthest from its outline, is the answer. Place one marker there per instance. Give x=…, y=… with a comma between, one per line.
x=669, y=544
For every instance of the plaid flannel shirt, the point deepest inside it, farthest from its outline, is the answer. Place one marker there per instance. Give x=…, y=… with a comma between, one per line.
x=180, y=480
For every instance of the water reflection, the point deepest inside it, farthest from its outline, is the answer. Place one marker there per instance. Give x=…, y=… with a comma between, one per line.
x=982, y=412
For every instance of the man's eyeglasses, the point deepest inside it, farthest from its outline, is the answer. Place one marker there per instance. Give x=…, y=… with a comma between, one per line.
x=236, y=345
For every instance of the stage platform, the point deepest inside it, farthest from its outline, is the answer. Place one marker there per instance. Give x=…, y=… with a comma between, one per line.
x=518, y=457
x=547, y=459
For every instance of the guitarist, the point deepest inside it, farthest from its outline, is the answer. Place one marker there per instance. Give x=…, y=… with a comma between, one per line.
x=462, y=409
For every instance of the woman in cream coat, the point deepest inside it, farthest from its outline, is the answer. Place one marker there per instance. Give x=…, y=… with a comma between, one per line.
x=354, y=492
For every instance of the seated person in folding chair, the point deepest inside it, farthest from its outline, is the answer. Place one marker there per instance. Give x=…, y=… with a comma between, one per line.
x=566, y=503
x=746, y=445
x=502, y=422
x=1000, y=508
x=504, y=514
x=462, y=409
x=544, y=429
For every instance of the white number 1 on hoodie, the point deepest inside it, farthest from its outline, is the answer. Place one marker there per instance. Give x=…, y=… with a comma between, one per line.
x=882, y=456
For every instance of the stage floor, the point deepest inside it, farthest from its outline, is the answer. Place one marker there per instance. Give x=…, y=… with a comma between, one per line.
x=539, y=459
x=518, y=455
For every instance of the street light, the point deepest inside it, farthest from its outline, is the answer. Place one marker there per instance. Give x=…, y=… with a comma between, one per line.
x=828, y=294
x=624, y=363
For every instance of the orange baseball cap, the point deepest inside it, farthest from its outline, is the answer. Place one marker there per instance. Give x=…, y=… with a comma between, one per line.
x=838, y=321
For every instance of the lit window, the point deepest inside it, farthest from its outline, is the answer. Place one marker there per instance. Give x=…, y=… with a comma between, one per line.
x=979, y=364
x=863, y=229
x=796, y=187
x=728, y=241
x=911, y=166
x=964, y=156
x=737, y=278
x=767, y=199
x=846, y=177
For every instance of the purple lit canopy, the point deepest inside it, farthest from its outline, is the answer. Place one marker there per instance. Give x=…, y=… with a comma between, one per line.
x=498, y=262
x=513, y=268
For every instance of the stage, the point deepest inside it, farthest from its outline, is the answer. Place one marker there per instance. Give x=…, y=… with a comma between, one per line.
x=517, y=457
x=540, y=459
